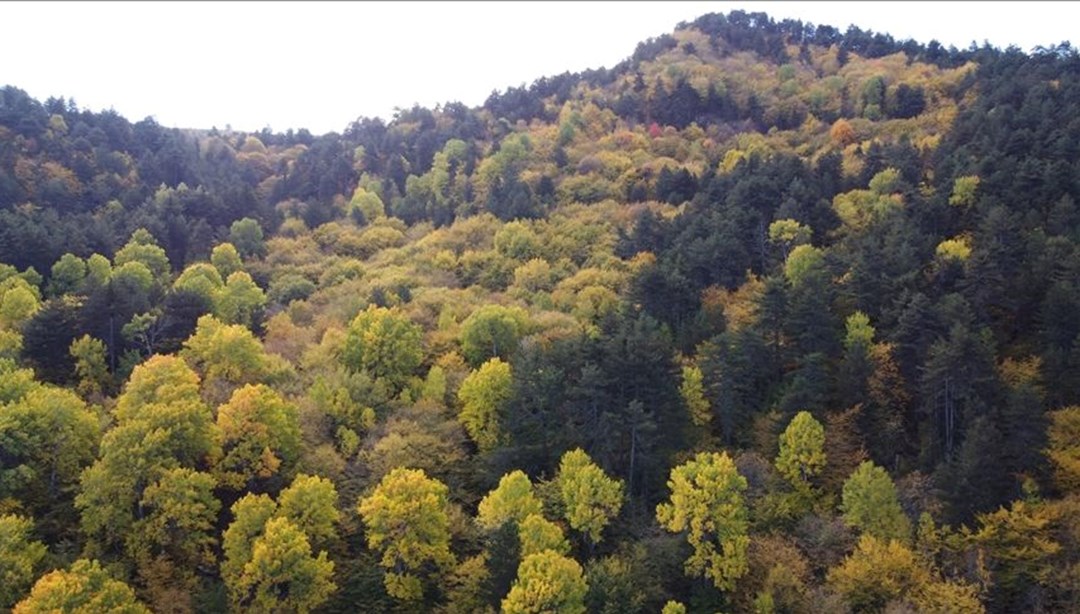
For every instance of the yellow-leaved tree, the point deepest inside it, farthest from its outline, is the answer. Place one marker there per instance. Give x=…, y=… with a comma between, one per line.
x=706, y=501
x=408, y=521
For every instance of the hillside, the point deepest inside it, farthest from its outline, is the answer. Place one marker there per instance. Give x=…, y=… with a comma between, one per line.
x=768, y=317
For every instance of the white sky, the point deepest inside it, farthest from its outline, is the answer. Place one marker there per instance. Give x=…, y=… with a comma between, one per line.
x=320, y=65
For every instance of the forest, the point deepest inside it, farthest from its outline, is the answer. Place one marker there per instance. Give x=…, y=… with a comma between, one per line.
x=769, y=317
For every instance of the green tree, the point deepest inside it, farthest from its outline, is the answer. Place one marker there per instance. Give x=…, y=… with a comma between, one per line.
x=144, y=249
x=964, y=191
x=692, y=391
x=67, y=275
x=174, y=537
x=673, y=607
x=19, y=558
x=383, y=342
x=538, y=534
x=547, y=582
x=869, y=503
x=48, y=436
x=202, y=279
x=492, y=331
x=802, y=450
x=241, y=301
x=590, y=498
x=368, y=203
x=512, y=500
x=161, y=424
x=18, y=302
x=228, y=352
x=247, y=235
x=260, y=437
x=84, y=588
x=484, y=395
x=310, y=503
x=226, y=259
x=408, y=521
x=250, y=514
x=283, y=575
x=706, y=501
x=788, y=234
x=91, y=366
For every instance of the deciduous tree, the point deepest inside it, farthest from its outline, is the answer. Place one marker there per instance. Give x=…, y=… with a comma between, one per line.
x=802, y=450
x=590, y=498
x=407, y=518
x=484, y=395
x=547, y=582
x=19, y=558
x=260, y=436
x=83, y=587
x=706, y=501
x=869, y=503
x=383, y=342
x=283, y=575
x=512, y=500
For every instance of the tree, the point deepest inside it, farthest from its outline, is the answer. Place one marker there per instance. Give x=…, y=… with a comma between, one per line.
x=48, y=436
x=47, y=337
x=788, y=234
x=706, y=500
x=250, y=514
x=407, y=518
x=692, y=391
x=175, y=536
x=247, y=235
x=673, y=607
x=802, y=450
x=842, y=133
x=283, y=575
x=91, y=366
x=383, y=342
x=547, y=582
x=511, y=501
x=143, y=248
x=484, y=395
x=492, y=331
x=1020, y=548
x=226, y=259
x=260, y=437
x=19, y=558
x=879, y=571
x=869, y=503
x=83, y=588
x=240, y=301
x=67, y=275
x=228, y=352
x=590, y=498
x=161, y=424
x=1064, y=448
x=18, y=302
x=310, y=503
x=202, y=279
x=538, y=534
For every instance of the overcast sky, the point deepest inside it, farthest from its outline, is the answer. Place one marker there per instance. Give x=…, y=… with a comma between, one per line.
x=320, y=65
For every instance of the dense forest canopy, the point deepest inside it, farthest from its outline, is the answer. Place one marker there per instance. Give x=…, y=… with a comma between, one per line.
x=768, y=317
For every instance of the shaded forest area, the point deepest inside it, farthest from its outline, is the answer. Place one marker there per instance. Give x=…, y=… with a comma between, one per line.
x=768, y=317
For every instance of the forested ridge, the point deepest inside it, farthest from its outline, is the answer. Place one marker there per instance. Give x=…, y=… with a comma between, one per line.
x=769, y=317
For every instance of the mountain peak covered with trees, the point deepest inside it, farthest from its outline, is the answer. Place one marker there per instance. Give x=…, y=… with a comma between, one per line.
x=767, y=317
